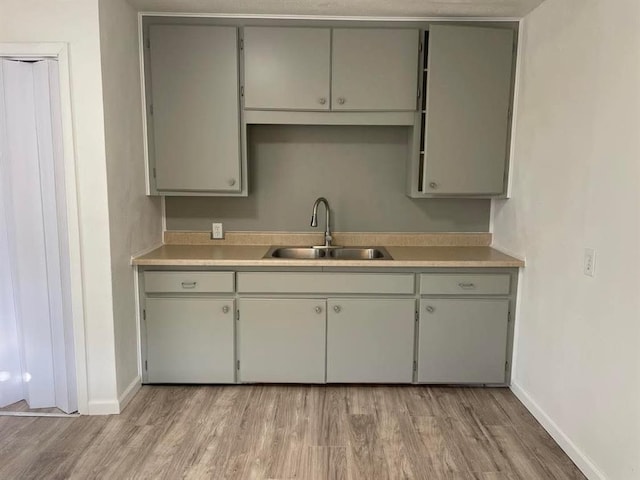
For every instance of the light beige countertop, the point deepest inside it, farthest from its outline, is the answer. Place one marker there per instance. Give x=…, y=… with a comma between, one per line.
x=252, y=256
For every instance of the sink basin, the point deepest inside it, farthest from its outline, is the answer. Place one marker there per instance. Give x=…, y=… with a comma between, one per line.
x=334, y=253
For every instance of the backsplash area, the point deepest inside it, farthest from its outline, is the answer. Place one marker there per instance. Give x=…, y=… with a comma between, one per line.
x=360, y=170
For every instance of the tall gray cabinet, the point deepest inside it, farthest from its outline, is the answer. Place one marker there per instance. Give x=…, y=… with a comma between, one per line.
x=193, y=112
x=468, y=98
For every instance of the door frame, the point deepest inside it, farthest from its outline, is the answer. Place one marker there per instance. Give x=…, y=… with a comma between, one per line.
x=60, y=52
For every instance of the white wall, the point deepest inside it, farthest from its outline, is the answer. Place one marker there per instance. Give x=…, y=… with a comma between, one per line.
x=76, y=22
x=576, y=184
x=135, y=219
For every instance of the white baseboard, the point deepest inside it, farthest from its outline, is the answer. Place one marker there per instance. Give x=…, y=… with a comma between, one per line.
x=129, y=393
x=103, y=407
x=582, y=461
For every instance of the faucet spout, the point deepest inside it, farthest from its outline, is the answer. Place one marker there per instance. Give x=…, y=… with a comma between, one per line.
x=314, y=220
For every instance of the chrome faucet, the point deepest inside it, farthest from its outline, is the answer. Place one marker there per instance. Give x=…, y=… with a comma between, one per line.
x=314, y=220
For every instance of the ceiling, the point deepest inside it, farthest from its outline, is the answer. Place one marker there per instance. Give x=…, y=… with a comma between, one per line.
x=359, y=8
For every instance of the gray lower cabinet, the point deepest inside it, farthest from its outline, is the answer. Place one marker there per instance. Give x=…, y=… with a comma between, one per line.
x=190, y=340
x=282, y=340
x=370, y=340
x=462, y=340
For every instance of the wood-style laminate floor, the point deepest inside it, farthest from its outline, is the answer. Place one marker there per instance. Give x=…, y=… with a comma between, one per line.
x=285, y=432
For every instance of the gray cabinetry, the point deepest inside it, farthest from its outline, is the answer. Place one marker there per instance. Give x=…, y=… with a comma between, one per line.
x=282, y=340
x=193, y=113
x=286, y=68
x=189, y=340
x=463, y=340
x=370, y=340
x=355, y=69
x=467, y=110
x=374, y=69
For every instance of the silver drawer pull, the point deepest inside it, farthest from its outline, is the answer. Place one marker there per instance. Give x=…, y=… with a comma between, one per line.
x=225, y=309
x=189, y=284
x=467, y=286
x=318, y=309
x=430, y=309
x=337, y=309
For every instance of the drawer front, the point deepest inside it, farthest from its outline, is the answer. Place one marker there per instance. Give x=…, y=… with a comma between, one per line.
x=325, y=283
x=188, y=282
x=465, y=284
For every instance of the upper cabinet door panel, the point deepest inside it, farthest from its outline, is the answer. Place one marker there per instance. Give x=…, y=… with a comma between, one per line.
x=374, y=69
x=468, y=97
x=196, y=131
x=286, y=68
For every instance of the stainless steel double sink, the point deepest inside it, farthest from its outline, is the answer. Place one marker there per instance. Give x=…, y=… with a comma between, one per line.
x=329, y=253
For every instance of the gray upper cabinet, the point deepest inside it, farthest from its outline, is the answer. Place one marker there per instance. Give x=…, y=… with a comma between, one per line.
x=194, y=116
x=286, y=68
x=467, y=111
x=321, y=69
x=374, y=69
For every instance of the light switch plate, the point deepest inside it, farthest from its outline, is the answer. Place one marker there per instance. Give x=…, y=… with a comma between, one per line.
x=590, y=262
x=216, y=231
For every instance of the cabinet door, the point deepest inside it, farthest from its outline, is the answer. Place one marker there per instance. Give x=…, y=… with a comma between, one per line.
x=370, y=340
x=467, y=119
x=462, y=341
x=195, y=122
x=374, y=69
x=282, y=340
x=286, y=68
x=190, y=340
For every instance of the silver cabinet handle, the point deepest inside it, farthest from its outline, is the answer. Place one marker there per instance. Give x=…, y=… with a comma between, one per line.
x=341, y=100
x=433, y=185
x=225, y=309
x=318, y=309
x=231, y=182
x=322, y=100
x=337, y=308
x=430, y=309
x=467, y=286
x=189, y=284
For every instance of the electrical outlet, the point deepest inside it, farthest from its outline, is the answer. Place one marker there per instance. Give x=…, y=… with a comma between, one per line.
x=216, y=231
x=590, y=262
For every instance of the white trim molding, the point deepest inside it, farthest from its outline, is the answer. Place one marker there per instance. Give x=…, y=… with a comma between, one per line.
x=582, y=461
x=60, y=51
x=129, y=393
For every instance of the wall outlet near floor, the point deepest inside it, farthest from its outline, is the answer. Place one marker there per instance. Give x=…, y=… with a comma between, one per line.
x=216, y=231
x=590, y=262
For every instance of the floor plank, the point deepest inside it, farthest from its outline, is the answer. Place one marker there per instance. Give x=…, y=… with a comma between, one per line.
x=278, y=432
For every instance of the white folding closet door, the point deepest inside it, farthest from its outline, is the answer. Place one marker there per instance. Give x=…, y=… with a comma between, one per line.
x=33, y=194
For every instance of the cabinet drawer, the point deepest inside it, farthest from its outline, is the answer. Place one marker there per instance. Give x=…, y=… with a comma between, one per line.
x=188, y=282
x=465, y=284
x=324, y=283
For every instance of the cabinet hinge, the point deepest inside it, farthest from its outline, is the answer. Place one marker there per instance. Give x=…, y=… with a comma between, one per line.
x=242, y=44
x=238, y=315
x=154, y=172
x=144, y=314
x=238, y=364
x=420, y=46
x=242, y=90
x=417, y=315
x=415, y=365
x=146, y=366
x=419, y=93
